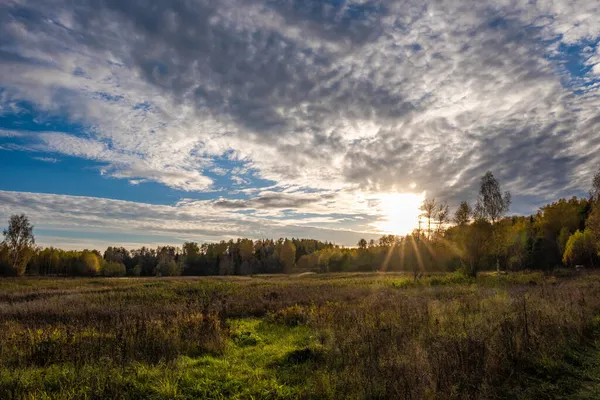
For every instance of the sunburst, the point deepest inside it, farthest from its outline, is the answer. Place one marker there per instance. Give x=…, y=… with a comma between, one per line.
x=399, y=212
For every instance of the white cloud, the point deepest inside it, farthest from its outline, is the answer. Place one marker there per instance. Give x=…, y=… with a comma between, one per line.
x=205, y=220
x=51, y=160
x=10, y=133
x=238, y=180
x=367, y=97
x=219, y=171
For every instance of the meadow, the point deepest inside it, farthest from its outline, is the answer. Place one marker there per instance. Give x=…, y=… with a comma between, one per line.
x=308, y=336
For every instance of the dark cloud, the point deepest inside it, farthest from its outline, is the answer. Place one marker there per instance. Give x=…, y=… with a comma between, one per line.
x=272, y=201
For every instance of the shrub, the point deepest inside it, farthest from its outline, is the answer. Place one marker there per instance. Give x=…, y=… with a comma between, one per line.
x=291, y=316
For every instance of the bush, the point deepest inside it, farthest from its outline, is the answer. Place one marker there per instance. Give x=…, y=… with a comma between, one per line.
x=291, y=316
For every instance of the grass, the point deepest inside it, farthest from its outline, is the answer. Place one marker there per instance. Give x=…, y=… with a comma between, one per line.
x=356, y=336
x=261, y=368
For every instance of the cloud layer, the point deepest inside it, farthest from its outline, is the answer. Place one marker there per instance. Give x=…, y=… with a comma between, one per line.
x=346, y=99
x=208, y=220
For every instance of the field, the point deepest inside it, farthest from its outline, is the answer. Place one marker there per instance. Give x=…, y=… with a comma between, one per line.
x=314, y=336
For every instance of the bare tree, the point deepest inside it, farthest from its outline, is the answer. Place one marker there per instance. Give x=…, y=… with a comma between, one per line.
x=418, y=231
x=442, y=216
x=429, y=207
x=19, y=240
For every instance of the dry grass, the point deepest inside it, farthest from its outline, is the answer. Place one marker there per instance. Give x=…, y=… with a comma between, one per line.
x=363, y=336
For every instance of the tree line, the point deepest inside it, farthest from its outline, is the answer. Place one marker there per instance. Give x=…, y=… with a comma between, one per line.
x=18, y=256
x=475, y=237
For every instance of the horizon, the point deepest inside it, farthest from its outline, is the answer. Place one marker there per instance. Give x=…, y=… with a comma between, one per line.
x=129, y=125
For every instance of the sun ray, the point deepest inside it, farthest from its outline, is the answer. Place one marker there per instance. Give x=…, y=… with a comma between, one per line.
x=452, y=246
x=387, y=258
x=417, y=255
x=402, y=253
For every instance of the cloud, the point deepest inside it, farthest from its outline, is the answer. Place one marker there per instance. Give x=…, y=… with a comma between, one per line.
x=270, y=200
x=352, y=98
x=219, y=171
x=6, y=133
x=239, y=180
x=118, y=163
x=135, y=223
x=51, y=160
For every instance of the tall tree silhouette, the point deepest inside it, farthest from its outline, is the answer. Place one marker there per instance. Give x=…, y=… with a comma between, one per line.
x=492, y=205
x=428, y=207
x=463, y=214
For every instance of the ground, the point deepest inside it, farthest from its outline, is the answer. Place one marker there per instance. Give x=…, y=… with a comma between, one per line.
x=326, y=336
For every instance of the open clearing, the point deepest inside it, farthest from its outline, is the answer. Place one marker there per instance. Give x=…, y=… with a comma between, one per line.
x=325, y=336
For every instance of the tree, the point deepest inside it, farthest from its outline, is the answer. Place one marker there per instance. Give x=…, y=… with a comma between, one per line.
x=387, y=240
x=463, y=214
x=593, y=222
x=191, y=259
x=245, y=249
x=88, y=264
x=168, y=267
x=168, y=264
x=442, y=216
x=226, y=266
x=556, y=222
x=113, y=269
x=595, y=190
x=287, y=256
x=143, y=262
x=19, y=241
x=570, y=214
x=580, y=249
x=122, y=255
x=362, y=244
x=48, y=261
x=190, y=249
x=492, y=205
x=428, y=207
x=519, y=243
x=475, y=245
x=563, y=238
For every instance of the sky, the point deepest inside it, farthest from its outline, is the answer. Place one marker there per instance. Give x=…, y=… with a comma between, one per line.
x=146, y=122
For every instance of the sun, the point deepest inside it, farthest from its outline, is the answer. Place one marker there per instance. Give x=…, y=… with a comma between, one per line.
x=399, y=212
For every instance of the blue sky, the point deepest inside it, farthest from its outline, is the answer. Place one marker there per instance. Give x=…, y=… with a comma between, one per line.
x=144, y=123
